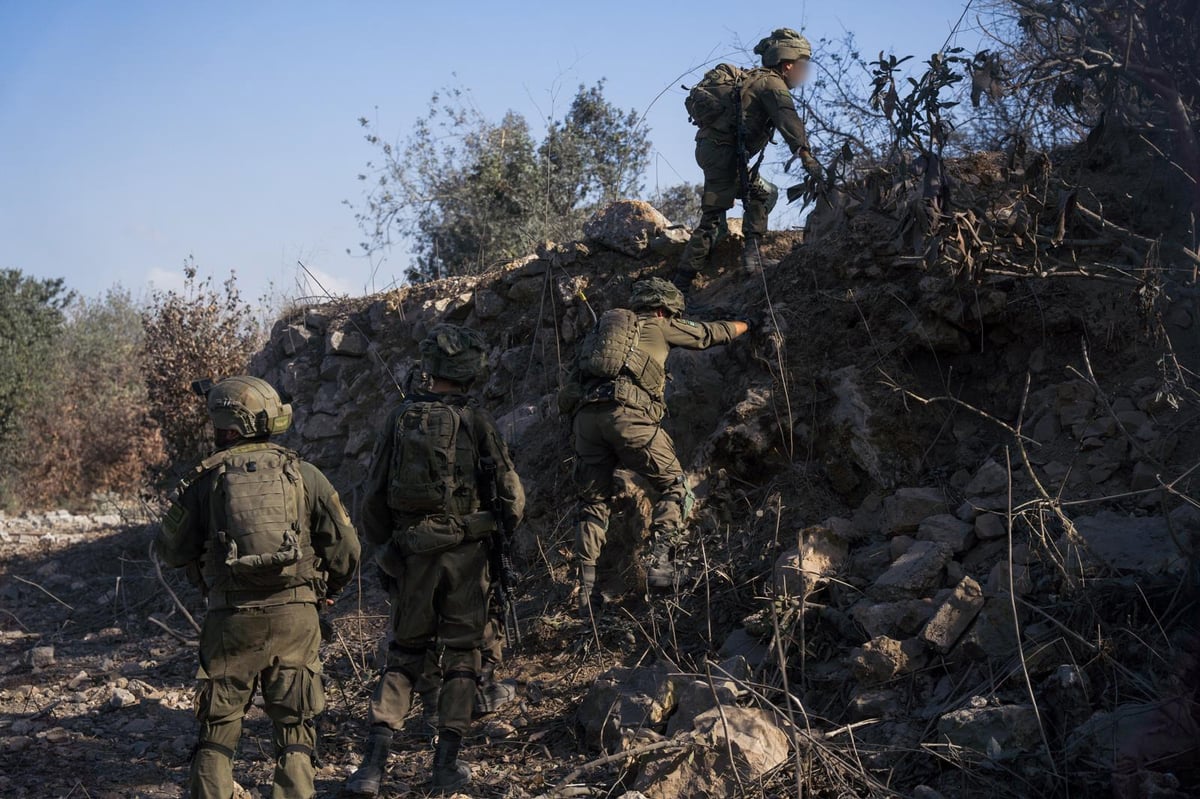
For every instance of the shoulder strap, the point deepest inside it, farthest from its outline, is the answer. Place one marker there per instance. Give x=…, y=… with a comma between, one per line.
x=637, y=340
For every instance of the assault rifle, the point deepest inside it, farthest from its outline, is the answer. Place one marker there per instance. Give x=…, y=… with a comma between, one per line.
x=743, y=158
x=504, y=576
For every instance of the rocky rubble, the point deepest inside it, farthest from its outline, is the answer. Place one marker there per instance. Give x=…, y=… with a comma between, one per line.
x=62, y=526
x=890, y=588
x=925, y=547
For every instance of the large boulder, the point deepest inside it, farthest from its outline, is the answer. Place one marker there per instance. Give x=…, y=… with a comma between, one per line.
x=697, y=697
x=704, y=769
x=627, y=226
x=625, y=700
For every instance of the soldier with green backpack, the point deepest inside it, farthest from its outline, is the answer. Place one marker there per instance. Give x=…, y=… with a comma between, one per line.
x=266, y=537
x=737, y=112
x=616, y=393
x=424, y=510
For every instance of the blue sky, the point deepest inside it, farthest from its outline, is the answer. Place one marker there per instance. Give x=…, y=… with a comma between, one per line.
x=135, y=134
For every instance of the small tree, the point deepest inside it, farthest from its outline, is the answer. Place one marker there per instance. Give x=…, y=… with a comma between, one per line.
x=31, y=317
x=469, y=193
x=679, y=203
x=201, y=331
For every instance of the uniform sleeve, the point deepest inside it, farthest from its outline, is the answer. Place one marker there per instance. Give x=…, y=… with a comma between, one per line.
x=509, y=488
x=181, y=536
x=333, y=536
x=781, y=110
x=698, y=335
x=376, y=515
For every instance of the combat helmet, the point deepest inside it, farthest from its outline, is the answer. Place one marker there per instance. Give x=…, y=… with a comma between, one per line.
x=454, y=353
x=654, y=292
x=784, y=44
x=249, y=405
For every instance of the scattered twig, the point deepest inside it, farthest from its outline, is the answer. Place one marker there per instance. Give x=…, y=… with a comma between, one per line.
x=1012, y=600
x=17, y=620
x=20, y=579
x=659, y=746
x=174, y=597
x=174, y=633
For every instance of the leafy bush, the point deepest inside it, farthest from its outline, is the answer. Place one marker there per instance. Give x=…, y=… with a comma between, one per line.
x=89, y=428
x=200, y=331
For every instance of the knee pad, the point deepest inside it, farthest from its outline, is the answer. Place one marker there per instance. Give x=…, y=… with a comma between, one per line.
x=465, y=663
x=298, y=749
x=765, y=192
x=213, y=746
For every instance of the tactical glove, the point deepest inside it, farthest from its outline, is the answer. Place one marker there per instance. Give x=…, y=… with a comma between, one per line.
x=811, y=165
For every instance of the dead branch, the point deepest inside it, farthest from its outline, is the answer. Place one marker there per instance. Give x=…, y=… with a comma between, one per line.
x=171, y=591
x=173, y=633
x=660, y=746
x=44, y=591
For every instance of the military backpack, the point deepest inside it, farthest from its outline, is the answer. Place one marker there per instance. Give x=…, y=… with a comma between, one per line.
x=256, y=508
x=715, y=102
x=433, y=461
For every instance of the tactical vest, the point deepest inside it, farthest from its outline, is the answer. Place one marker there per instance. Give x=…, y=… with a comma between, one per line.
x=260, y=544
x=610, y=351
x=433, y=484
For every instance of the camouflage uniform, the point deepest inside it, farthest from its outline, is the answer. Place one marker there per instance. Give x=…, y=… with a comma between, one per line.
x=619, y=424
x=767, y=106
x=256, y=637
x=438, y=599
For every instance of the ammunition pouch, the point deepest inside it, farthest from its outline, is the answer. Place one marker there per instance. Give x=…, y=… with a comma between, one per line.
x=624, y=391
x=443, y=532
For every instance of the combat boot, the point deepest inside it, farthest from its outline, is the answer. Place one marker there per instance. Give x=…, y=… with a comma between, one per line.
x=753, y=261
x=448, y=774
x=491, y=695
x=367, y=779
x=589, y=602
x=661, y=575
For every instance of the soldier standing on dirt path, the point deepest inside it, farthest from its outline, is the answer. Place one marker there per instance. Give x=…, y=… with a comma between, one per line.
x=266, y=537
x=422, y=510
x=767, y=105
x=615, y=392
